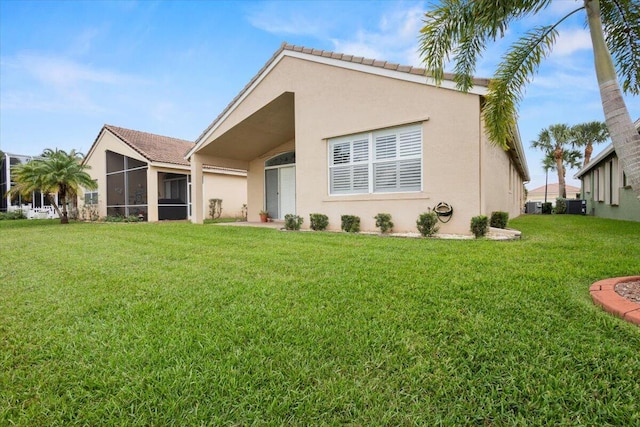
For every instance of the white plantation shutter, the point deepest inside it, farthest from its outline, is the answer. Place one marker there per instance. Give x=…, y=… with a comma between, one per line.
x=349, y=165
x=341, y=179
x=361, y=150
x=361, y=178
x=385, y=177
x=388, y=160
x=410, y=142
x=341, y=153
x=409, y=175
x=385, y=147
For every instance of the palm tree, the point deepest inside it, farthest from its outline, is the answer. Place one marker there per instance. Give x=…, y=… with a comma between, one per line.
x=553, y=141
x=55, y=172
x=587, y=134
x=464, y=27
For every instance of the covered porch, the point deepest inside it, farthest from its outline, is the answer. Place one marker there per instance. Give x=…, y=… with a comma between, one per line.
x=247, y=137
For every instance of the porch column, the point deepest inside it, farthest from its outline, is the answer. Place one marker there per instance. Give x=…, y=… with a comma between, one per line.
x=152, y=194
x=197, y=185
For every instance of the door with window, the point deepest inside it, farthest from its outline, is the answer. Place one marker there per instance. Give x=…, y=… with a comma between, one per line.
x=280, y=185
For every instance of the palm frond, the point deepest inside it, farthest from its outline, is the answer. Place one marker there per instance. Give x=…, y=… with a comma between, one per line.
x=461, y=28
x=621, y=23
x=506, y=89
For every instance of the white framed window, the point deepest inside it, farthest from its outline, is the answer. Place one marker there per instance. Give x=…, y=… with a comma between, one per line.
x=382, y=161
x=91, y=198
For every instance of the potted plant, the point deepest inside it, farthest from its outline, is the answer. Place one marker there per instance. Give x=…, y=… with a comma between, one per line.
x=264, y=216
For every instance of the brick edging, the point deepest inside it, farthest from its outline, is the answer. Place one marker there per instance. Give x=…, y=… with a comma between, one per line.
x=604, y=294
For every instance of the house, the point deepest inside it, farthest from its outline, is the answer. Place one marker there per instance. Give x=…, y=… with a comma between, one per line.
x=146, y=175
x=323, y=132
x=552, y=193
x=36, y=205
x=605, y=188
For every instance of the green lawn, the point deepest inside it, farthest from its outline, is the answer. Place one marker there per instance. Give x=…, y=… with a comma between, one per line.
x=178, y=324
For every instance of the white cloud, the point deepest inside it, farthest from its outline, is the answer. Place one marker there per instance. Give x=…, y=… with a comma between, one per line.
x=62, y=72
x=394, y=39
x=273, y=18
x=50, y=83
x=571, y=41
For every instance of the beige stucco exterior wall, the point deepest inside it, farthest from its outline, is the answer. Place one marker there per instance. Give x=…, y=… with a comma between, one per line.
x=502, y=186
x=332, y=101
x=232, y=189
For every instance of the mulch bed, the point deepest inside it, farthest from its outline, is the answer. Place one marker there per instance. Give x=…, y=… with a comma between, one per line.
x=629, y=290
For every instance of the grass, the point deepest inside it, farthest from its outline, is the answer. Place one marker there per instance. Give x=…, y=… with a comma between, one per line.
x=177, y=324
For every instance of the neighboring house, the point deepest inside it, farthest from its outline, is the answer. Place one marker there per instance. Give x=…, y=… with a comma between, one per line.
x=36, y=205
x=322, y=132
x=146, y=175
x=604, y=187
x=553, y=192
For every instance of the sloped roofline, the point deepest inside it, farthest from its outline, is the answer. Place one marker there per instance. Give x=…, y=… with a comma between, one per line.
x=115, y=131
x=600, y=156
x=358, y=63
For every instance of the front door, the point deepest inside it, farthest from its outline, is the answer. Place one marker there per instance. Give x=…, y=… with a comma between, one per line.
x=280, y=186
x=287, y=191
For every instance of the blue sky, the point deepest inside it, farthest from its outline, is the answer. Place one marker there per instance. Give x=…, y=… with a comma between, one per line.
x=169, y=67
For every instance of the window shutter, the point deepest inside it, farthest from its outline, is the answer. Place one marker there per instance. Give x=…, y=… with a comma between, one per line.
x=409, y=175
x=385, y=147
x=361, y=150
x=361, y=179
x=410, y=143
x=341, y=179
x=385, y=176
x=393, y=156
x=341, y=153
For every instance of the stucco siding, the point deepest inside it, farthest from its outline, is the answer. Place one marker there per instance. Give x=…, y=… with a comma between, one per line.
x=501, y=183
x=331, y=101
x=232, y=189
x=628, y=207
x=342, y=102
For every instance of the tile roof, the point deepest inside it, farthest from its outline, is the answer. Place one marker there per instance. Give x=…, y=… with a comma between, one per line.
x=155, y=148
x=368, y=61
x=333, y=55
x=553, y=189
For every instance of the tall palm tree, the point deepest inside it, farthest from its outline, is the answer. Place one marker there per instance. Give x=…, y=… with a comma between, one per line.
x=587, y=134
x=463, y=28
x=553, y=141
x=55, y=172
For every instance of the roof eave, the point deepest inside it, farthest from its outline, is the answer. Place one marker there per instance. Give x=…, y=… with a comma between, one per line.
x=381, y=68
x=594, y=162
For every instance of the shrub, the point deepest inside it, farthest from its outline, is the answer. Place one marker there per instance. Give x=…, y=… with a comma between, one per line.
x=215, y=208
x=350, y=223
x=479, y=225
x=561, y=206
x=383, y=222
x=89, y=213
x=18, y=214
x=427, y=224
x=319, y=222
x=292, y=222
x=118, y=218
x=499, y=219
x=546, y=208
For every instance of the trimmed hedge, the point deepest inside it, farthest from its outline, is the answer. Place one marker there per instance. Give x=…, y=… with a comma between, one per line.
x=350, y=223
x=499, y=219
